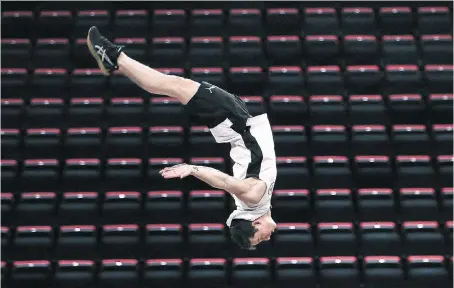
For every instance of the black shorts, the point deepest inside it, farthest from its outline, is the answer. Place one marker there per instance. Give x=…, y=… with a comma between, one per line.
x=211, y=105
x=250, y=138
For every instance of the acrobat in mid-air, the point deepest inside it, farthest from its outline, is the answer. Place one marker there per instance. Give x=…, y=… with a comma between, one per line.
x=226, y=115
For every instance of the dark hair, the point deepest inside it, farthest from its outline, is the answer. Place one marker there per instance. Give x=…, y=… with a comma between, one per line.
x=240, y=232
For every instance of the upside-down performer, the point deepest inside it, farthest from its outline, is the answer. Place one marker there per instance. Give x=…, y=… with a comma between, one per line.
x=251, y=139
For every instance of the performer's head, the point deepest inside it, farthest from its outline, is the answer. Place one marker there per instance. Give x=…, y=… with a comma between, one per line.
x=247, y=234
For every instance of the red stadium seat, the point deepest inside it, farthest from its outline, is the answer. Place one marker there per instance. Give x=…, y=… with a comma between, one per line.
x=46, y=112
x=206, y=51
x=245, y=50
x=165, y=141
x=336, y=239
x=52, y=53
x=376, y=204
x=16, y=52
x=40, y=175
x=55, y=23
x=373, y=171
x=320, y=21
x=124, y=142
x=290, y=237
x=325, y=80
x=322, y=49
x=31, y=273
x=18, y=23
x=164, y=240
x=131, y=109
x=436, y=48
x=334, y=205
x=167, y=52
x=291, y=205
x=440, y=108
x=287, y=110
x=427, y=270
x=358, y=20
x=163, y=272
x=83, y=142
x=283, y=50
x=293, y=173
x=363, y=79
x=290, y=140
x=283, y=21
x=422, y=238
x=36, y=208
x=418, y=204
x=361, y=49
x=245, y=22
x=432, y=20
x=207, y=206
x=251, y=272
x=12, y=110
x=32, y=242
x=203, y=272
x=339, y=271
x=79, y=208
x=325, y=138
x=42, y=143
x=290, y=271
x=118, y=272
x=396, y=20
x=399, y=49
x=122, y=207
x=169, y=22
x=335, y=168
x=11, y=141
x=327, y=110
x=379, y=238
x=121, y=241
x=383, y=271
x=164, y=206
x=82, y=174
x=70, y=273
x=72, y=239
x=206, y=22
x=207, y=240
x=284, y=80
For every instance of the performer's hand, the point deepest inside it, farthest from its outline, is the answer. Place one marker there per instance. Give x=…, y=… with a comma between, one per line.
x=177, y=171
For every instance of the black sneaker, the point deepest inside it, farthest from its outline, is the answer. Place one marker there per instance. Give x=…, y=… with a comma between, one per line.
x=105, y=52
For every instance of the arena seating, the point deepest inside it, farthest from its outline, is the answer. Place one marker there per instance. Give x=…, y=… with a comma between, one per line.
x=360, y=100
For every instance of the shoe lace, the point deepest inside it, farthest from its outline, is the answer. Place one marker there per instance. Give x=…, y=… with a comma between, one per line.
x=107, y=43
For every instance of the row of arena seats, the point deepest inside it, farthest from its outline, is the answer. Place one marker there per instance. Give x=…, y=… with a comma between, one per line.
x=323, y=205
x=172, y=141
x=130, y=23
x=212, y=240
x=402, y=109
x=237, y=51
x=292, y=172
x=284, y=272
x=315, y=80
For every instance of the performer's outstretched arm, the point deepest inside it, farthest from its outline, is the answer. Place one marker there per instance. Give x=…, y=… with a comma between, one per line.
x=248, y=190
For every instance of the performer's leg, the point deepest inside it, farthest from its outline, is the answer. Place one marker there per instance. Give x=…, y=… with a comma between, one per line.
x=156, y=82
x=111, y=57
